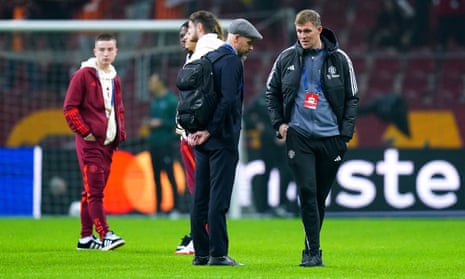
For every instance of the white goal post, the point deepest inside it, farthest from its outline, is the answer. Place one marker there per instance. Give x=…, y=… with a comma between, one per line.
x=94, y=25
x=128, y=27
x=130, y=31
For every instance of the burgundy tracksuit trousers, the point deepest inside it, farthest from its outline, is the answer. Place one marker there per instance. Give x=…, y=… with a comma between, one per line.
x=95, y=161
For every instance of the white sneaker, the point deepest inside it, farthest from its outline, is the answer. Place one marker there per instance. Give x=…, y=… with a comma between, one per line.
x=184, y=242
x=111, y=241
x=186, y=250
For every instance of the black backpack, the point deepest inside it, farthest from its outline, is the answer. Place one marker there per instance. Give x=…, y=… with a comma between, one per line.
x=197, y=98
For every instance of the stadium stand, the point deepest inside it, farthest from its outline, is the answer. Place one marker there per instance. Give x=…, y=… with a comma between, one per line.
x=428, y=77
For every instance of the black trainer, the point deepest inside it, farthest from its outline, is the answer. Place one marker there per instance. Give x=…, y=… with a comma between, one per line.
x=309, y=260
x=93, y=244
x=224, y=260
x=200, y=260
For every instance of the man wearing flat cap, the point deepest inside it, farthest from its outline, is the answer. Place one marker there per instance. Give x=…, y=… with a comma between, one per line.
x=216, y=149
x=244, y=28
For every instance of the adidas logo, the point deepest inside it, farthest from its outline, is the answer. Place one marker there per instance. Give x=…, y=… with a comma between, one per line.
x=107, y=242
x=95, y=245
x=291, y=68
x=338, y=158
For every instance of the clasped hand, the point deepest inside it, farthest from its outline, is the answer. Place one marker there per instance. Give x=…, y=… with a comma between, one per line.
x=198, y=137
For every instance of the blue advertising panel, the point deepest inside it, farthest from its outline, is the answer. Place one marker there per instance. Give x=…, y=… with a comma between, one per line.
x=20, y=181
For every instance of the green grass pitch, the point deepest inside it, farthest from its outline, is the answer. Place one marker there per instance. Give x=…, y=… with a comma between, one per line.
x=269, y=248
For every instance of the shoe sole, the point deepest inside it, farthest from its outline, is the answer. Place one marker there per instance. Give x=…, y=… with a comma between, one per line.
x=203, y=262
x=88, y=249
x=184, y=253
x=227, y=264
x=315, y=265
x=200, y=263
x=114, y=245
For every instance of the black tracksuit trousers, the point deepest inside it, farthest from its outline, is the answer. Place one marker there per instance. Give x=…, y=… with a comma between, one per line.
x=314, y=164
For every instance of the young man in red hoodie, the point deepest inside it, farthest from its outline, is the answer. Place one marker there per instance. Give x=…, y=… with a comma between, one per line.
x=94, y=111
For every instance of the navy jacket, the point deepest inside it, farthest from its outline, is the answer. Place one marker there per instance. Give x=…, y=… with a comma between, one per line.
x=225, y=125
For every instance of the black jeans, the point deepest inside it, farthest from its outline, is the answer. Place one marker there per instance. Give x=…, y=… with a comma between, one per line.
x=314, y=164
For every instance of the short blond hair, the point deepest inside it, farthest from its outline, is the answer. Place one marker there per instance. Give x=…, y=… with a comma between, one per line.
x=308, y=15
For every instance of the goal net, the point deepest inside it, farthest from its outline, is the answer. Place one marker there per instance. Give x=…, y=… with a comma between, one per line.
x=37, y=59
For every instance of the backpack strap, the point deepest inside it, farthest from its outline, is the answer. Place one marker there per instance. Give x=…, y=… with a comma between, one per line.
x=214, y=55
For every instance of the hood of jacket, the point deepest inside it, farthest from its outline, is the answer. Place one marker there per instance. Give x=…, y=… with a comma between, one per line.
x=92, y=63
x=205, y=44
x=329, y=39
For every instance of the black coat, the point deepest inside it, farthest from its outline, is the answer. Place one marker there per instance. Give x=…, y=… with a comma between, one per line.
x=338, y=82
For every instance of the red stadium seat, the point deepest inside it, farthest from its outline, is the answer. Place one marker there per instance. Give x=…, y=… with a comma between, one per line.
x=416, y=89
x=418, y=79
x=450, y=89
x=450, y=86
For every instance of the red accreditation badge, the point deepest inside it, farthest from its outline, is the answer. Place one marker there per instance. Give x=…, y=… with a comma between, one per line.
x=311, y=100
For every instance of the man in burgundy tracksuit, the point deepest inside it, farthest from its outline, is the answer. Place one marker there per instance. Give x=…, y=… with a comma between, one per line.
x=94, y=111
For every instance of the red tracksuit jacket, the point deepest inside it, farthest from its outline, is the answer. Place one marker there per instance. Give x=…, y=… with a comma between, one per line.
x=84, y=107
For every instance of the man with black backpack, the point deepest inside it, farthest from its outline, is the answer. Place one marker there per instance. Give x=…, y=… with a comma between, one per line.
x=204, y=28
x=216, y=149
x=197, y=98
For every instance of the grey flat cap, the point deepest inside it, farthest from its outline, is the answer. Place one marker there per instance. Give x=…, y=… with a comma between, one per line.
x=244, y=28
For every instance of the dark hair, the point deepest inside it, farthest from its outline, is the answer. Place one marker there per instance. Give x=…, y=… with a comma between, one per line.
x=207, y=19
x=105, y=37
x=185, y=24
